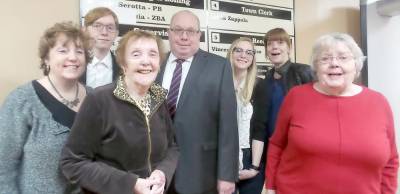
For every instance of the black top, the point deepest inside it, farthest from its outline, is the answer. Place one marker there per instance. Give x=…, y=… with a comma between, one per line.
x=292, y=74
x=60, y=112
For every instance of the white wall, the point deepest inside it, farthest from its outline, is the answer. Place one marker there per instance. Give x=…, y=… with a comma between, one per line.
x=383, y=40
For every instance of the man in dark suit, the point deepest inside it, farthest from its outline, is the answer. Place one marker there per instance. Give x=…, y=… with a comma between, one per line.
x=204, y=111
x=101, y=24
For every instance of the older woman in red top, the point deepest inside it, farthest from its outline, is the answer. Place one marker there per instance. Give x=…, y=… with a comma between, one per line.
x=333, y=136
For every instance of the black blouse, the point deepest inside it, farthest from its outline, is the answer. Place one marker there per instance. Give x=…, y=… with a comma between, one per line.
x=60, y=112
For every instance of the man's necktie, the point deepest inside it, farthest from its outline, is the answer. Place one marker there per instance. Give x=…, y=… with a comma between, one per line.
x=173, y=92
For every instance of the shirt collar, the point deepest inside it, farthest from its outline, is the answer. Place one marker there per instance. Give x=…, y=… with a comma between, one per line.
x=172, y=58
x=107, y=60
x=157, y=93
x=282, y=70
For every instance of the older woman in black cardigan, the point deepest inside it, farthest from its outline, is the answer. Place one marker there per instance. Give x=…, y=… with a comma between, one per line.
x=122, y=140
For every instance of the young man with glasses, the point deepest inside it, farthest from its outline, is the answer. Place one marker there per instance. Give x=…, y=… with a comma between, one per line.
x=101, y=24
x=202, y=102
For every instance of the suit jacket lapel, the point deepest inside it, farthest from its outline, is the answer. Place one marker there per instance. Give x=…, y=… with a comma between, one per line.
x=196, y=68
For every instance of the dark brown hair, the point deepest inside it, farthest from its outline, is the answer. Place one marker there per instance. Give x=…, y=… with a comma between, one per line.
x=51, y=35
x=277, y=34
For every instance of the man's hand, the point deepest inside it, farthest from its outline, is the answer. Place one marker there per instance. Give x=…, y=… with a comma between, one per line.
x=225, y=187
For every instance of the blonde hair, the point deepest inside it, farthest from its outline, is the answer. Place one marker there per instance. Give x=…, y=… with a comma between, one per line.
x=250, y=79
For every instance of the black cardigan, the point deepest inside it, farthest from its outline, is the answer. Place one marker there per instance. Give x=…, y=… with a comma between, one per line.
x=292, y=74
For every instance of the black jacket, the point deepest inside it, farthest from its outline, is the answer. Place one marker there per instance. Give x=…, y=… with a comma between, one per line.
x=292, y=74
x=112, y=143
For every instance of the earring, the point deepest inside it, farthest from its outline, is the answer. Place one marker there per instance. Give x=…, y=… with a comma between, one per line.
x=47, y=68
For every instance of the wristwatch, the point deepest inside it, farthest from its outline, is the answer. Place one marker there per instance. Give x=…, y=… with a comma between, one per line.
x=257, y=168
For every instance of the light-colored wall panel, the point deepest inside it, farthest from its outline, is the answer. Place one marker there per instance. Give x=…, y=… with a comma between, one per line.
x=314, y=18
x=383, y=60
x=24, y=22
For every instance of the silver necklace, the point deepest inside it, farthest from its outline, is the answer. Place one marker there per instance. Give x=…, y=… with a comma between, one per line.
x=68, y=103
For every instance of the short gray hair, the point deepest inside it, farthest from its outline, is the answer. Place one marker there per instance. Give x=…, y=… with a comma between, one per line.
x=329, y=40
x=188, y=12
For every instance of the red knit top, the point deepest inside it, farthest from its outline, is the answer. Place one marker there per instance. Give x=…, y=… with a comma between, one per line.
x=333, y=145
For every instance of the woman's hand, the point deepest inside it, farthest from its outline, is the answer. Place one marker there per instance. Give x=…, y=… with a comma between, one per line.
x=142, y=186
x=247, y=174
x=267, y=191
x=271, y=191
x=157, y=179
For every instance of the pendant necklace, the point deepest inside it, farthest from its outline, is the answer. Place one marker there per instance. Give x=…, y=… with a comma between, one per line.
x=69, y=103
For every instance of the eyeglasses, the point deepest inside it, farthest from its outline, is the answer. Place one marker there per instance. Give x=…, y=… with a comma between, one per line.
x=180, y=31
x=340, y=58
x=99, y=27
x=247, y=52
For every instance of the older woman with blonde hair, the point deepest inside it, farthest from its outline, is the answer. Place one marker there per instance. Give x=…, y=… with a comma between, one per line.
x=243, y=60
x=333, y=136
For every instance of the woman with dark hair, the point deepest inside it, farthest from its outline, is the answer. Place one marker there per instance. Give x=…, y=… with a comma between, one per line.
x=285, y=74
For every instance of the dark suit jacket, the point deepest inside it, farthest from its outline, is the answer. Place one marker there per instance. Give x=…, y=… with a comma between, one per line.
x=115, y=70
x=206, y=125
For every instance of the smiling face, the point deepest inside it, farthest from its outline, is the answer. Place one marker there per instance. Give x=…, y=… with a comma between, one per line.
x=336, y=67
x=103, y=32
x=242, y=56
x=66, y=59
x=184, y=35
x=278, y=52
x=142, y=63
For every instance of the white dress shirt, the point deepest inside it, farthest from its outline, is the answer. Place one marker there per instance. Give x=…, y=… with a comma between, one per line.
x=244, y=113
x=169, y=72
x=98, y=72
